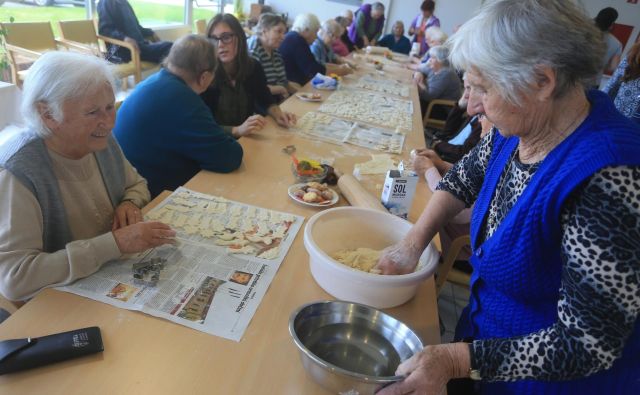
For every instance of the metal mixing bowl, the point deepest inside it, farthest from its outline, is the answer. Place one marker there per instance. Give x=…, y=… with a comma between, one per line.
x=349, y=347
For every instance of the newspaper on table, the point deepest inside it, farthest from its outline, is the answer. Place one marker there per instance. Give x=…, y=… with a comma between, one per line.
x=370, y=107
x=327, y=128
x=391, y=86
x=214, y=278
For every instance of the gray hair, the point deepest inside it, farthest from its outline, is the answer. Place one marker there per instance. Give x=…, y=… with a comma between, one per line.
x=435, y=33
x=59, y=76
x=331, y=27
x=344, y=22
x=193, y=54
x=377, y=6
x=509, y=40
x=304, y=22
x=441, y=53
x=268, y=21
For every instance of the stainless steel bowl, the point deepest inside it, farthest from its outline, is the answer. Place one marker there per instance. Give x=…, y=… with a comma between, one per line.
x=349, y=347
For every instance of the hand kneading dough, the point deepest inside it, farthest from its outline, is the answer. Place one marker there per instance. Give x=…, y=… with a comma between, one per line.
x=362, y=259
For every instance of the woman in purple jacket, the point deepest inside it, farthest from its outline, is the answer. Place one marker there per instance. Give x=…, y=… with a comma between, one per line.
x=366, y=29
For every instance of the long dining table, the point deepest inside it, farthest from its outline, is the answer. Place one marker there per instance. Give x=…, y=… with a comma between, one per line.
x=147, y=355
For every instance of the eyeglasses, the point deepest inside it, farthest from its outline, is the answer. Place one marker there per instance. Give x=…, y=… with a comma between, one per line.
x=225, y=38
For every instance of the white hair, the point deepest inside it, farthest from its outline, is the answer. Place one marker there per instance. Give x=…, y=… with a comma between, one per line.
x=509, y=40
x=307, y=22
x=377, y=6
x=441, y=54
x=331, y=27
x=436, y=34
x=57, y=77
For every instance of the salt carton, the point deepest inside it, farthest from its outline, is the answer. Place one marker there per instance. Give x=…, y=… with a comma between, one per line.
x=397, y=193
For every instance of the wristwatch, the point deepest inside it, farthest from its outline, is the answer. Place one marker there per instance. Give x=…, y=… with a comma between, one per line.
x=474, y=372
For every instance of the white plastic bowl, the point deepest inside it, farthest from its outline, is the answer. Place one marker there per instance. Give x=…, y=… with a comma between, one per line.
x=354, y=227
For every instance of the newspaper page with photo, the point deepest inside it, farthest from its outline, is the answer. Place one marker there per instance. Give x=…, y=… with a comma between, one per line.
x=214, y=278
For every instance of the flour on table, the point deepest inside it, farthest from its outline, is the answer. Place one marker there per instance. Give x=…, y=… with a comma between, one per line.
x=379, y=164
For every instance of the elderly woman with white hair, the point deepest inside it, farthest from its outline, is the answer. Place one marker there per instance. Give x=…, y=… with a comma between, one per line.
x=299, y=62
x=434, y=36
x=441, y=80
x=70, y=199
x=322, y=50
x=555, y=230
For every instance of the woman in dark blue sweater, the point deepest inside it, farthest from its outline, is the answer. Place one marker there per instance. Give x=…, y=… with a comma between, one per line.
x=555, y=230
x=164, y=128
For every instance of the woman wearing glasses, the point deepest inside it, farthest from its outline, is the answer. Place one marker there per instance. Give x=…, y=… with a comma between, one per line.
x=239, y=96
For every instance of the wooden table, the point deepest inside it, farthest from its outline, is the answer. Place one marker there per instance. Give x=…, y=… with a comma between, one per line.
x=147, y=355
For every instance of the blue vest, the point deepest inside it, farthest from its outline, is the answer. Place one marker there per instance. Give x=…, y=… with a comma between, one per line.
x=517, y=271
x=25, y=156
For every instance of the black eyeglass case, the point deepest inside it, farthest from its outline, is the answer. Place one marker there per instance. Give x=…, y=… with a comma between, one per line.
x=22, y=354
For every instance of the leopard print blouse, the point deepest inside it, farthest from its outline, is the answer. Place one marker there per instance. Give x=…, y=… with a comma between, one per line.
x=601, y=253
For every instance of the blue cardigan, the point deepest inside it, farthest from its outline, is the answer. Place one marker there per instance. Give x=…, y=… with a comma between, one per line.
x=401, y=46
x=299, y=62
x=517, y=271
x=168, y=134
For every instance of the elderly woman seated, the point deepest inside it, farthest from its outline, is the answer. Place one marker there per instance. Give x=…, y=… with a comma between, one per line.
x=339, y=46
x=165, y=129
x=323, y=52
x=263, y=46
x=396, y=41
x=239, y=96
x=441, y=80
x=555, y=229
x=434, y=36
x=299, y=62
x=70, y=200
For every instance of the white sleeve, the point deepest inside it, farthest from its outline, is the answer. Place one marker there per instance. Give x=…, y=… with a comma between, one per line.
x=24, y=268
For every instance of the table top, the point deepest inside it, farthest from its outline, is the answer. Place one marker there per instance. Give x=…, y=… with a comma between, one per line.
x=144, y=354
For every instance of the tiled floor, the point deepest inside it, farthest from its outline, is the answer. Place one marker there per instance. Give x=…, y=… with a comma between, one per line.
x=451, y=301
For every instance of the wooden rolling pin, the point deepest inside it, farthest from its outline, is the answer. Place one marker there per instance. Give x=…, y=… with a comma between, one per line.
x=356, y=195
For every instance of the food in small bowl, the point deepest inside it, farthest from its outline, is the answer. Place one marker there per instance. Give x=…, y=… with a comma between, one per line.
x=388, y=55
x=377, y=65
x=345, y=228
x=308, y=170
x=350, y=348
x=314, y=192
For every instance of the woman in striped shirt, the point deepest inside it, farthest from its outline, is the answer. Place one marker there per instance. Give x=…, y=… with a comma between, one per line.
x=263, y=47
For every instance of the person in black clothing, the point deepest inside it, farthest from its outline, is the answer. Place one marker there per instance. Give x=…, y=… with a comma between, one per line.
x=118, y=20
x=461, y=132
x=239, y=96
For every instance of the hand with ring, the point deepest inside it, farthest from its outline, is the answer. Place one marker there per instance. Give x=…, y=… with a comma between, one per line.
x=126, y=213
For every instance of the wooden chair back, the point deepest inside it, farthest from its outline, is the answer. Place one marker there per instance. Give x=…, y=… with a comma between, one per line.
x=429, y=121
x=35, y=36
x=81, y=31
x=201, y=26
